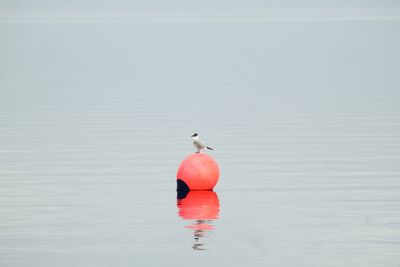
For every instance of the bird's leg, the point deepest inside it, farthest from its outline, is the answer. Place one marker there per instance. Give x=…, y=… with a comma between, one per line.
x=198, y=150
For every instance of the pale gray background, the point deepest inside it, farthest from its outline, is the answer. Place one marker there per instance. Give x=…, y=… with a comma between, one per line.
x=300, y=101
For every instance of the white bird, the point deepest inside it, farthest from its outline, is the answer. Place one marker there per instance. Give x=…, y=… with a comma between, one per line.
x=198, y=144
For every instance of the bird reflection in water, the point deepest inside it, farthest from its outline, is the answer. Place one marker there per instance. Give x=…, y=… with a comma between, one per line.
x=203, y=208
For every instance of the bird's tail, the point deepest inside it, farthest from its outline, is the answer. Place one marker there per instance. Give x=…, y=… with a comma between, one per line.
x=210, y=148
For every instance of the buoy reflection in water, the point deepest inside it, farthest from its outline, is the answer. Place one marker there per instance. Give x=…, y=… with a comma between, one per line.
x=202, y=208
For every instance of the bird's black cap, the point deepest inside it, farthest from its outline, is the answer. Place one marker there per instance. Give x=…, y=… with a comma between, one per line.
x=194, y=135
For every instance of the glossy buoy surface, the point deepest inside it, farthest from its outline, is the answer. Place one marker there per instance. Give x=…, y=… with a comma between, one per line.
x=198, y=171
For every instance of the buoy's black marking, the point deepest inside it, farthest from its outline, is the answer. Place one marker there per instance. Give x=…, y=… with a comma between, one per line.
x=181, y=194
x=182, y=189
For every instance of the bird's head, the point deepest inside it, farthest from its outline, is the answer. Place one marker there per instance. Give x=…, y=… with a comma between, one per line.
x=195, y=135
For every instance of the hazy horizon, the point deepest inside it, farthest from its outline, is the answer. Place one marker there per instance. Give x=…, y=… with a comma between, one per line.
x=199, y=11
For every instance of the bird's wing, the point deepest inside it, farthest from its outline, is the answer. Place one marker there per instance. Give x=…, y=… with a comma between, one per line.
x=198, y=144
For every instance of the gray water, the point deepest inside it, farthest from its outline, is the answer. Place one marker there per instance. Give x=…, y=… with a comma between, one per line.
x=304, y=118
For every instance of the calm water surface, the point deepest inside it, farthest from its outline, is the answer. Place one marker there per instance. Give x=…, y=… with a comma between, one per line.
x=304, y=118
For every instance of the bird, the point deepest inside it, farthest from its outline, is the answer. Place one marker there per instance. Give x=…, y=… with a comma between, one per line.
x=198, y=144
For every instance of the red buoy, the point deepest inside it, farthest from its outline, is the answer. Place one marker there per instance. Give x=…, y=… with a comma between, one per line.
x=197, y=171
